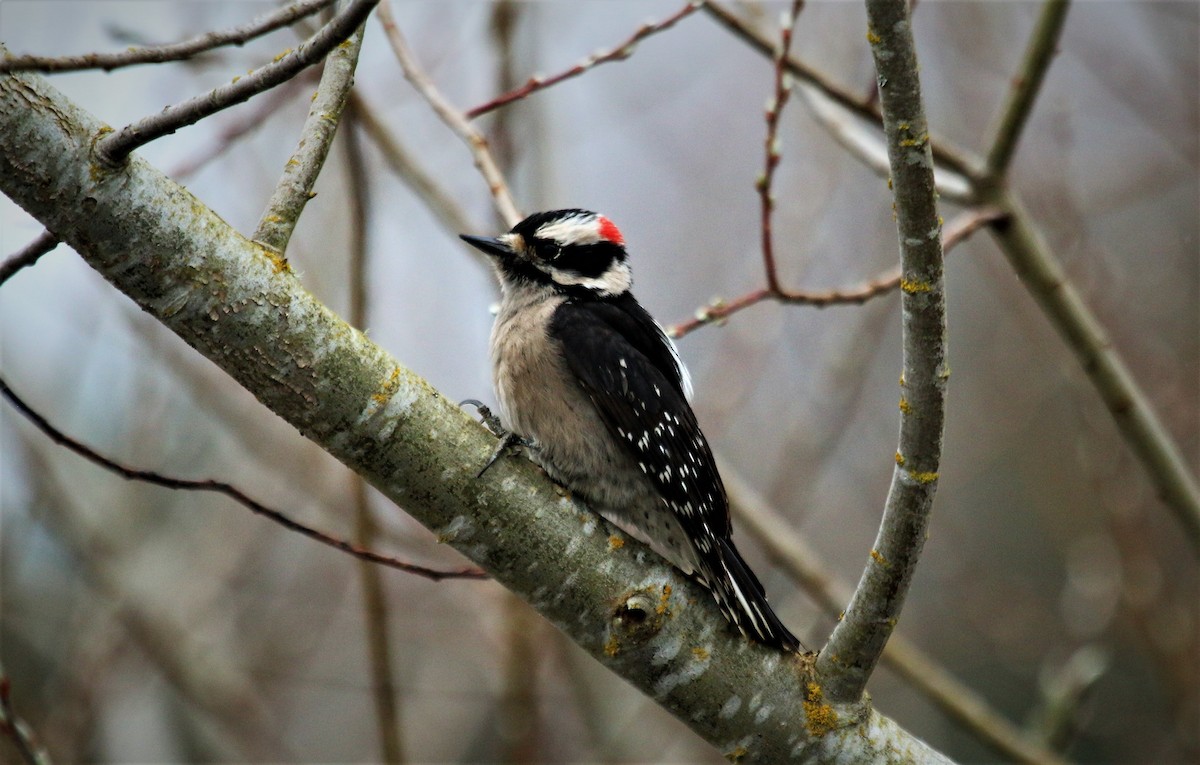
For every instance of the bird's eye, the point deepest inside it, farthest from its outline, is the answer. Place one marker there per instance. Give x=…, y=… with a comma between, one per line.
x=547, y=250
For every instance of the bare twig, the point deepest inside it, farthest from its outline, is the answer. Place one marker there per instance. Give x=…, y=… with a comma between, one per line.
x=864, y=141
x=300, y=173
x=775, y=106
x=453, y=118
x=17, y=730
x=944, y=152
x=1019, y=105
x=232, y=492
x=849, y=657
x=438, y=201
x=957, y=231
x=268, y=22
x=793, y=555
x=115, y=147
x=27, y=255
x=1044, y=276
x=374, y=601
x=243, y=124
x=619, y=53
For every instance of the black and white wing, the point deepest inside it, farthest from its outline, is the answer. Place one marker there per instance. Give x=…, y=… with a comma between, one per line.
x=629, y=369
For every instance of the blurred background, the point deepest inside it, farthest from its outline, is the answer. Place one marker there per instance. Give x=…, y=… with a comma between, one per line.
x=144, y=625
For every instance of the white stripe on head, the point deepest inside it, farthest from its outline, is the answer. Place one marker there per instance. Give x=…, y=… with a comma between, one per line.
x=573, y=230
x=614, y=281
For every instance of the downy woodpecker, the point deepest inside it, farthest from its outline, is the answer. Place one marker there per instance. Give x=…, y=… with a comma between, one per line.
x=598, y=394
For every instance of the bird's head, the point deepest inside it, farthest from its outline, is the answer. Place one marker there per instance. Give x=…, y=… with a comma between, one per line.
x=573, y=251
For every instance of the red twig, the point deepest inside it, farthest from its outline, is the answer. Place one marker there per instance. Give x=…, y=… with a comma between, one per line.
x=229, y=491
x=956, y=231
x=775, y=106
x=619, y=53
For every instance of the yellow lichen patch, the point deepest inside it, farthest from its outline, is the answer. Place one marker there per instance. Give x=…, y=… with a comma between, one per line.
x=664, y=600
x=878, y=557
x=700, y=653
x=873, y=38
x=820, y=718
x=905, y=406
x=278, y=261
x=281, y=55
x=899, y=459
x=912, y=287
x=615, y=542
x=612, y=647
x=389, y=387
x=923, y=477
x=737, y=754
x=902, y=383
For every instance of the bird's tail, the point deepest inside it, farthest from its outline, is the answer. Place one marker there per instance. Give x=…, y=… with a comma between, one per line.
x=742, y=600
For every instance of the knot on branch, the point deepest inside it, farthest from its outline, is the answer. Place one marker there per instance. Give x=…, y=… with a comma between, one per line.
x=637, y=617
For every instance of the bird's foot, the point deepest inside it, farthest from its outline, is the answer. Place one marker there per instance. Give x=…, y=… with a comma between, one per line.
x=509, y=442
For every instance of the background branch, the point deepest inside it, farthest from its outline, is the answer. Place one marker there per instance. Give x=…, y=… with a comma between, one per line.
x=113, y=148
x=234, y=493
x=158, y=54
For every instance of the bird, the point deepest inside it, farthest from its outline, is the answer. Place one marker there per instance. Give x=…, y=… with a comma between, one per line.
x=596, y=393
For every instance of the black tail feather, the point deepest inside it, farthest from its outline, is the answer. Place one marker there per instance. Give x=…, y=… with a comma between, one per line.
x=742, y=599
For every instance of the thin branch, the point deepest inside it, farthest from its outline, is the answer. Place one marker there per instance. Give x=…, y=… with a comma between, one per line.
x=619, y=53
x=435, y=198
x=115, y=147
x=944, y=152
x=243, y=124
x=453, y=118
x=18, y=731
x=1044, y=276
x=27, y=255
x=956, y=231
x=848, y=659
x=775, y=106
x=1043, y=44
x=374, y=601
x=865, y=142
x=60, y=438
x=158, y=54
x=300, y=173
x=788, y=550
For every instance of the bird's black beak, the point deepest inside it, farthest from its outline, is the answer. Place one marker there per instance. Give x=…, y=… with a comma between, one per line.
x=487, y=245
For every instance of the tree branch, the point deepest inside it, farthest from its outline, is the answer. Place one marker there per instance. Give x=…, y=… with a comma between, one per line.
x=943, y=151
x=300, y=173
x=619, y=53
x=1026, y=85
x=113, y=148
x=630, y=610
x=25, y=257
x=159, y=54
x=803, y=565
x=234, y=493
x=454, y=119
x=957, y=230
x=848, y=659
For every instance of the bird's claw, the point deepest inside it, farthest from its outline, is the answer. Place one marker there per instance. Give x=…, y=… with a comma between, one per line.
x=509, y=441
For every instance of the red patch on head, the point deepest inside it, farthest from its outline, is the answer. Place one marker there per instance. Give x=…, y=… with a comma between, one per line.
x=610, y=232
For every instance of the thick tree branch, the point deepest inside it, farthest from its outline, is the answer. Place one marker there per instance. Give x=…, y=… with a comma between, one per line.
x=113, y=148
x=300, y=173
x=848, y=659
x=231, y=301
x=158, y=54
